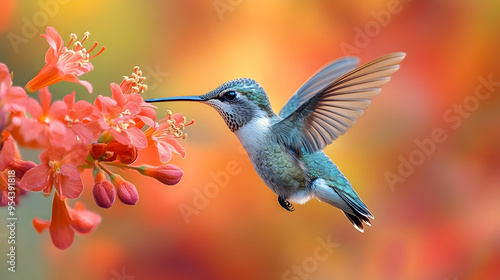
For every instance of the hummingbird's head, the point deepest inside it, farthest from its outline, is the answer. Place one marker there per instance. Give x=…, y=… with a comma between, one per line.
x=237, y=101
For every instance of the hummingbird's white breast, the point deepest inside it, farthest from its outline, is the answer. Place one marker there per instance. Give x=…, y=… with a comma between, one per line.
x=254, y=134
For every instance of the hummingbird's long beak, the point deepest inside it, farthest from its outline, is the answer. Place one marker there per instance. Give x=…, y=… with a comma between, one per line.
x=176, y=98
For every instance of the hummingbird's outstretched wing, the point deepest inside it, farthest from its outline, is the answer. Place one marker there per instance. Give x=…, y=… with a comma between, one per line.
x=329, y=113
x=318, y=81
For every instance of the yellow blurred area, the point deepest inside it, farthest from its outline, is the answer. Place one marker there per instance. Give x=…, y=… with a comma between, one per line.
x=436, y=203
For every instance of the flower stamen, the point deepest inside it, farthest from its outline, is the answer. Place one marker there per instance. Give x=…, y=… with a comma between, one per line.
x=135, y=83
x=85, y=36
x=102, y=49
x=72, y=37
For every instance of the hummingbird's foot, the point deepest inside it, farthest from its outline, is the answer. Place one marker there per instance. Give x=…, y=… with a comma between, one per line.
x=285, y=204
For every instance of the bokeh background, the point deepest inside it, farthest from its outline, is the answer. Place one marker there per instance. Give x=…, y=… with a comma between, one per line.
x=439, y=221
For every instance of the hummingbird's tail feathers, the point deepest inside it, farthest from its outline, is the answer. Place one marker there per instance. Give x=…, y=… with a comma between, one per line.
x=355, y=203
x=357, y=221
x=344, y=198
x=358, y=208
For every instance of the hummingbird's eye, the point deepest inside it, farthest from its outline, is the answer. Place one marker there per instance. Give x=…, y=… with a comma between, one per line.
x=230, y=95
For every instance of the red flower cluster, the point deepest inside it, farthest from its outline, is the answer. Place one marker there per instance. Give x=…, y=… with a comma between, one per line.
x=77, y=135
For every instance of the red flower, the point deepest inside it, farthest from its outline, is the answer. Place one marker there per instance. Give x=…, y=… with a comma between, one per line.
x=65, y=221
x=122, y=113
x=12, y=99
x=163, y=135
x=44, y=128
x=129, y=91
x=58, y=168
x=82, y=119
x=62, y=63
x=12, y=169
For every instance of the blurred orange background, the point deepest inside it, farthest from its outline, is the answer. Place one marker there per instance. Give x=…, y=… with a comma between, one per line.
x=440, y=219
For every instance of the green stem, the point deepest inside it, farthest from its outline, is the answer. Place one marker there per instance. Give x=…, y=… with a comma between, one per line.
x=111, y=174
x=121, y=165
x=86, y=165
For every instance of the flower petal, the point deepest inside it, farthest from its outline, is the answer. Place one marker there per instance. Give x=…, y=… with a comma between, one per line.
x=69, y=100
x=121, y=137
x=60, y=225
x=58, y=110
x=168, y=145
x=164, y=151
x=21, y=167
x=40, y=225
x=48, y=75
x=60, y=136
x=30, y=133
x=72, y=78
x=148, y=121
x=178, y=117
x=83, y=133
x=55, y=42
x=117, y=95
x=5, y=79
x=106, y=105
x=147, y=115
x=82, y=109
x=45, y=98
x=70, y=171
x=137, y=137
x=7, y=153
x=37, y=178
x=84, y=221
x=4, y=198
x=71, y=183
x=76, y=155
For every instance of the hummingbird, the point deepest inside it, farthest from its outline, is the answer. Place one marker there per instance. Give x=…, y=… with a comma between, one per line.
x=286, y=150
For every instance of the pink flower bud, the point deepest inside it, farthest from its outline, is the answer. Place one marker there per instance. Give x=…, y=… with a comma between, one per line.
x=168, y=174
x=104, y=194
x=127, y=193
